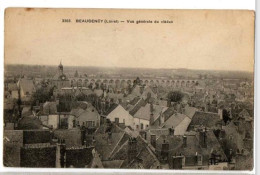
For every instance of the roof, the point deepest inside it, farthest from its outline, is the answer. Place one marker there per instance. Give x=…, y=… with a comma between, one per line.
x=190, y=111
x=76, y=112
x=118, y=112
x=168, y=113
x=206, y=119
x=12, y=86
x=144, y=112
x=49, y=108
x=136, y=91
x=175, y=120
x=115, y=153
x=214, y=145
x=137, y=106
x=27, y=85
x=111, y=108
x=29, y=123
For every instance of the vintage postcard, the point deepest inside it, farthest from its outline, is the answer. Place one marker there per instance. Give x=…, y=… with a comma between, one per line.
x=129, y=89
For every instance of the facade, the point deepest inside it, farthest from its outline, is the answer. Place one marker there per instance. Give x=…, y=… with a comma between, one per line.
x=60, y=80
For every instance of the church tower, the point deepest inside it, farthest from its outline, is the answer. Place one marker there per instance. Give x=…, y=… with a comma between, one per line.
x=60, y=67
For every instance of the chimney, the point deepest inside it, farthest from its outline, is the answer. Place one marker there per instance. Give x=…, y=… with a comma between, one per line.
x=60, y=154
x=165, y=150
x=83, y=135
x=184, y=143
x=203, y=139
x=151, y=118
x=151, y=108
x=153, y=140
x=132, y=149
x=171, y=131
x=220, y=113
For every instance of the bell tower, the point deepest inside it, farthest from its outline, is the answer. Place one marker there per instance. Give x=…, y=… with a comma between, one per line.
x=60, y=67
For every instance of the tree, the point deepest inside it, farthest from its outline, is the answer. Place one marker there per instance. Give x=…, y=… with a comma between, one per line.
x=175, y=96
x=42, y=95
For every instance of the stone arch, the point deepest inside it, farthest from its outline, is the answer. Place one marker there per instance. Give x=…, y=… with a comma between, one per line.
x=188, y=83
x=73, y=82
x=129, y=82
x=79, y=82
x=182, y=83
x=85, y=83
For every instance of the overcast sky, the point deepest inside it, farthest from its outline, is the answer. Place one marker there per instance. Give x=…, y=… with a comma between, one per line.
x=212, y=40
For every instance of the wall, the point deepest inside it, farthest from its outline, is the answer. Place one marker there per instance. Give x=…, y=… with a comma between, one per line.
x=138, y=122
x=72, y=137
x=36, y=136
x=78, y=158
x=38, y=157
x=53, y=120
x=12, y=147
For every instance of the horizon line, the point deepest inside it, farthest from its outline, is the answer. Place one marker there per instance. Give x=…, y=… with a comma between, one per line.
x=122, y=67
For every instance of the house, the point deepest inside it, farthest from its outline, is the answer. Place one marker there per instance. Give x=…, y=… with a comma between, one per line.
x=194, y=150
x=119, y=148
x=51, y=118
x=118, y=115
x=26, y=88
x=88, y=117
x=178, y=122
x=146, y=115
x=148, y=93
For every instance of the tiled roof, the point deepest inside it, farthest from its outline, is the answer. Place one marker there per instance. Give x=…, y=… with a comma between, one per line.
x=137, y=106
x=144, y=112
x=190, y=111
x=206, y=119
x=174, y=120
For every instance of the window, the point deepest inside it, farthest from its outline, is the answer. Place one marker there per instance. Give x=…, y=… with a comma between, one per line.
x=90, y=123
x=137, y=126
x=142, y=126
x=116, y=120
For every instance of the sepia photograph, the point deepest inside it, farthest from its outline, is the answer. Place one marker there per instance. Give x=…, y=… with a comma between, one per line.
x=129, y=89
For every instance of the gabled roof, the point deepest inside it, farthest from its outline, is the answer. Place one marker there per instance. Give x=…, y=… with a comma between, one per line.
x=27, y=85
x=190, y=111
x=168, y=113
x=175, y=120
x=116, y=153
x=206, y=119
x=137, y=106
x=144, y=112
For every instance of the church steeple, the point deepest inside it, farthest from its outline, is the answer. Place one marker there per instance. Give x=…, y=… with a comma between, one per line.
x=60, y=67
